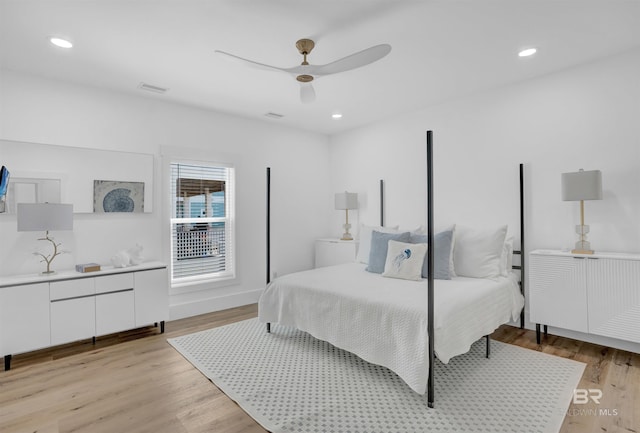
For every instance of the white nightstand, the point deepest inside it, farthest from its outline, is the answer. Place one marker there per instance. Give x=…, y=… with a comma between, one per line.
x=596, y=294
x=334, y=252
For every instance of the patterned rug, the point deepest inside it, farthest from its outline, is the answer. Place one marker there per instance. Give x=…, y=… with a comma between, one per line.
x=289, y=382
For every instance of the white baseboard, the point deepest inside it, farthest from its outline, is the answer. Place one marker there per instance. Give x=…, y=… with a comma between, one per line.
x=203, y=306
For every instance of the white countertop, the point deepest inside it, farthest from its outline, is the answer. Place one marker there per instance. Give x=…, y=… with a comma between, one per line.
x=596, y=255
x=72, y=274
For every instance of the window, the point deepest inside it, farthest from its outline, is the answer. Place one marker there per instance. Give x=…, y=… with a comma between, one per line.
x=202, y=223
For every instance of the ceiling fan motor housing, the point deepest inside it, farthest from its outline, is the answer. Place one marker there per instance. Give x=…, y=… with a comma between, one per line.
x=304, y=78
x=305, y=46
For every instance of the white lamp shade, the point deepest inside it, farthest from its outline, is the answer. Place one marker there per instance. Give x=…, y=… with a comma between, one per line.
x=582, y=185
x=346, y=200
x=44, y=217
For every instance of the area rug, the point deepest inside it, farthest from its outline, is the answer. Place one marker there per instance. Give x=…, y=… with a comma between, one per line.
x=289, y=382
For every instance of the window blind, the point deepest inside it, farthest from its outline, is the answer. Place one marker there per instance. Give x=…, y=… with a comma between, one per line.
x=202, y=222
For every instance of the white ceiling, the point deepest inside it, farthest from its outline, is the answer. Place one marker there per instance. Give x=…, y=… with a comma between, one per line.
x=440, y=49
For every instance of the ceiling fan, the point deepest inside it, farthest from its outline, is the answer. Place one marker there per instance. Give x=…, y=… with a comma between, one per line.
x=305, y=73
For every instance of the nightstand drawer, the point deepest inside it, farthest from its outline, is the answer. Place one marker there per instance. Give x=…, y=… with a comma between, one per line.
x=331, y=252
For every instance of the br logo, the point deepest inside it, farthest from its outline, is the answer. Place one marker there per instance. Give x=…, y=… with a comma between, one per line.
x=582, y=396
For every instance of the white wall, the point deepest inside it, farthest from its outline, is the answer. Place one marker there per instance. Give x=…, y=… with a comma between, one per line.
x=44, y=111
x=585, y=117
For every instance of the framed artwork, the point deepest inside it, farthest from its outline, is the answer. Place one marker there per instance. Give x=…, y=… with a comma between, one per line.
x=118, y=196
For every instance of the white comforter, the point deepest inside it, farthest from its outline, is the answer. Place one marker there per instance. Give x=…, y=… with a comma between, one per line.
x=384, y=320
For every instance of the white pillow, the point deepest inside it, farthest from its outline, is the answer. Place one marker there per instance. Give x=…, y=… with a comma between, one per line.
x=506, y=261
x=420, y=230
x=364, y=240
x=478, y=252
x=452, y=228
x=404, y=260
x=452, y=267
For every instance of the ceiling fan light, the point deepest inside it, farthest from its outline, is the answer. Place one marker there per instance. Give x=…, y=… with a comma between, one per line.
x=307, y=93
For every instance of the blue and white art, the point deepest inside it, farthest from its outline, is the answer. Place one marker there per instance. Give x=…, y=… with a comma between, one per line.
x=118, y=196
x=400, y=258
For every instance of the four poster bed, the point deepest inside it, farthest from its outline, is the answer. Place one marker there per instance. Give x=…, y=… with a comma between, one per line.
x=391, y=321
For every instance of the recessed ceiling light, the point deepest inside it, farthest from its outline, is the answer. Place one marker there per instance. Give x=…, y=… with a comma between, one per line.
x=336, y=116
x=59, y=42
x=528, y=52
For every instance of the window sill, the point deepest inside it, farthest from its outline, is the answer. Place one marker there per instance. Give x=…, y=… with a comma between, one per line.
x=193, y=281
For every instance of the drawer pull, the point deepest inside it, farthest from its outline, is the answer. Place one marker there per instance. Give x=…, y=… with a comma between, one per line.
x=91, y=295
x=114, y=291
x=73, y=297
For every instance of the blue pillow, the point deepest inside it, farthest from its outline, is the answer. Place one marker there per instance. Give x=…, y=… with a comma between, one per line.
x=379, y=247
x=441, y=254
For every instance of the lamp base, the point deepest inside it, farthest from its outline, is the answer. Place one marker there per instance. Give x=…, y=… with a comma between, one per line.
x=583, y=246
x=582, y=251
x=346, y=236
x=48, y=259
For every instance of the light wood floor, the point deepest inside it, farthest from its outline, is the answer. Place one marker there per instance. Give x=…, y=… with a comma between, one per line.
x=136, y=382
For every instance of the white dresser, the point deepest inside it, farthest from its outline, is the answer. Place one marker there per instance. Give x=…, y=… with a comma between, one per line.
x=41, y=311
x=331, y=252
x=597, y=294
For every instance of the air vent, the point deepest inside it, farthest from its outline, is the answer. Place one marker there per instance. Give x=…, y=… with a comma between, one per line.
x=274, y=115
x=151, y=88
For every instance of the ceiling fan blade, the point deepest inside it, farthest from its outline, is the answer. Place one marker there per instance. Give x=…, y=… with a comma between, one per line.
x=352, y=61
x=250, y=62
x=307, y=93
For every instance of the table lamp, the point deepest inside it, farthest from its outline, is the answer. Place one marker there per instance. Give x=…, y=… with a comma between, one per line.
x=580, y=186
x=44, y=217
x=346, y=201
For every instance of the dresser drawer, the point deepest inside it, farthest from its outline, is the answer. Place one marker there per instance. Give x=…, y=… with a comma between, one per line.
x=113, y=283
x=71, y=289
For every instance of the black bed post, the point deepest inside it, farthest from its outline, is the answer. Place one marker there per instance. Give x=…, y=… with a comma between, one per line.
x=381, y=203
x=522, y=249
x=268, y=232
x=430, y=389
